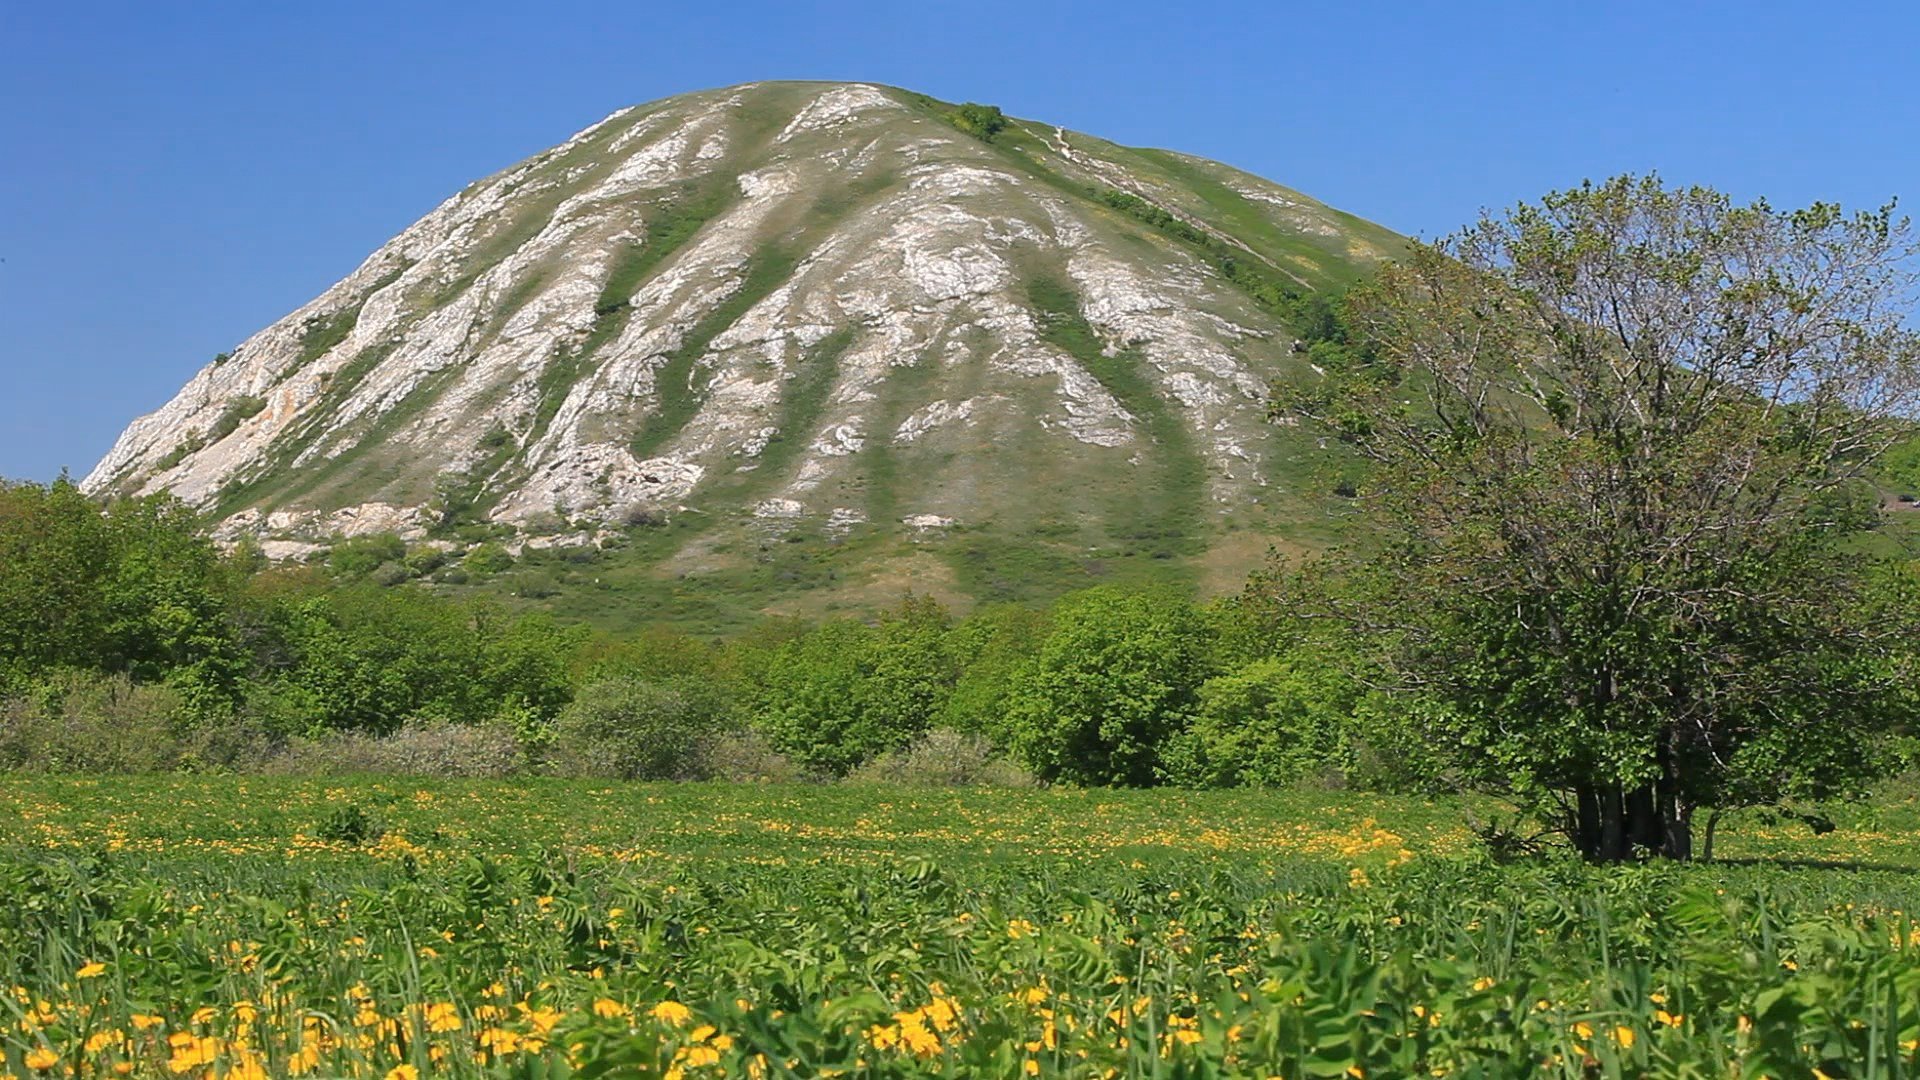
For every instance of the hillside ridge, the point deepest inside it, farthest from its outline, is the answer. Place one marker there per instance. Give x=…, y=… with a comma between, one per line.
x=837, y=307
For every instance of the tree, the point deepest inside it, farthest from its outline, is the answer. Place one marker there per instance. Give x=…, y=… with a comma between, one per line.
x=632, y=729
x=981, y=121
x=1619, y=442
x=1115, y=677
x=131, y=588
x=1269, y=723
x=844, y=693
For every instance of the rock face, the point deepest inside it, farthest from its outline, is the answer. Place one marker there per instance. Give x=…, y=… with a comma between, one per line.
x=778, y=303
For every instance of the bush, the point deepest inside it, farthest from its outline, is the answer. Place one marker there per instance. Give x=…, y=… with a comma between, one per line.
x=634, y=729
x=390, y=574
x=78, y=722
x=351, y=824
x=748, y=758
x=845, y=692
x=1270, y=723
x=424, y=560
x=362, y=555
x=432, y=748
x=488, y=558
x=641, y=516
x=944, y=758
x=1117, y=674
x=981, y=121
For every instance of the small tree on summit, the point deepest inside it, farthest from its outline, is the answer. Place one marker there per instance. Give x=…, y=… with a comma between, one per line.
x=1619, y=443
x=981, y=121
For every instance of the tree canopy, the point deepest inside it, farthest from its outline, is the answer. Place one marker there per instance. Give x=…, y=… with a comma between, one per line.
x=1620, y=442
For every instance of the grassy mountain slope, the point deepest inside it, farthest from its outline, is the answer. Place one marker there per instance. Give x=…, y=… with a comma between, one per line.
x=794, y=347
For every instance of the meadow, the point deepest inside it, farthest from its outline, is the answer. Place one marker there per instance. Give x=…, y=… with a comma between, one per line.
x=219, y=926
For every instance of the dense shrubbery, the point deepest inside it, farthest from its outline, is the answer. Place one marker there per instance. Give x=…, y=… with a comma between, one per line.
x=629, y=728
x=128, y=643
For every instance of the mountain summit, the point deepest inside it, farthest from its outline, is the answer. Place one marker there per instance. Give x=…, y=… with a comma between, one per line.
x=844, y=309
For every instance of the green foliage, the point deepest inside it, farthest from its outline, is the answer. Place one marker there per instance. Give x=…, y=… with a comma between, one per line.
x=233, y=414
x=633, y=729
x=846, y=692
x=360, y=658
x=88, y=724
x=488, y=558
x=982, y=122
x=351, y=824
x=1116, y=676
x=359, y=556
x=1196, y=935
x=987, y=649
x=1622, y=575
x=133, y=589
x=1269, y=723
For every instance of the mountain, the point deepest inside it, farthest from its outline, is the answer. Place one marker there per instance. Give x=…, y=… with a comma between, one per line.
x=809, y=342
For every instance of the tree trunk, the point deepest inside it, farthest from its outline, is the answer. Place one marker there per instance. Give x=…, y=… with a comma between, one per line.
x=1676, y=815
x=1679, y=840
x=1646, y=826
x=1615, y=845
x=1586, y=834
x=1611, y=825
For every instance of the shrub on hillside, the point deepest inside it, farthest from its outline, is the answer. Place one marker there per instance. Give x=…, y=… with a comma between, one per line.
x=981, y=121
x=635, y=729
x=362, y=555
x=488, y=558
x=944, y=758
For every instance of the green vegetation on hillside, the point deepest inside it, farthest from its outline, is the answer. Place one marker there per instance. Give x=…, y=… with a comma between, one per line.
x=679, y=388
x=1164, y=514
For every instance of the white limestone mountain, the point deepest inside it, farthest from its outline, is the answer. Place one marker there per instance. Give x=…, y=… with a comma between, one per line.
x=843, y=308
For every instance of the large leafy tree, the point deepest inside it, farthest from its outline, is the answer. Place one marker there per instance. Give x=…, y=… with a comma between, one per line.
x=1117, y=675
x=1620, y=441
x=131, y=588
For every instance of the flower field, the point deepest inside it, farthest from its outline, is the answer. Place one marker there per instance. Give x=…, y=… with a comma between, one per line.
x=215, y=926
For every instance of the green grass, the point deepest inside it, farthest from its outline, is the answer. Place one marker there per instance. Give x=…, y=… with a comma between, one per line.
x=1322, y=264
x=1161, y=511
x=269, y=477
x=679, y=392
x=372, y=462
x=541, y=927
x=803, y=401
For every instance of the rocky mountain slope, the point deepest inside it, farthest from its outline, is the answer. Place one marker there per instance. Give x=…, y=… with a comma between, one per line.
x=841, y=314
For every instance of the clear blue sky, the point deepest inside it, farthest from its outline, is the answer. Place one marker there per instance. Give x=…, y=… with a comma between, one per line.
x=175, y=176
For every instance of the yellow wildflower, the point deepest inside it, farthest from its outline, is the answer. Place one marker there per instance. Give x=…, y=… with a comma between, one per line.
x=672, y=1012
x=91, y=971
x=100, y=1040
x=607, y=1008
x=42, y=1058
x=403, y=1072
x=442, y=1016
x=191, y=1051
